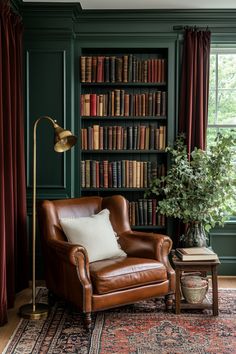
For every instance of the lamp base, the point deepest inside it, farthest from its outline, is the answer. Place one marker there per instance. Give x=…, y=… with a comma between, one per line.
x=41, y=311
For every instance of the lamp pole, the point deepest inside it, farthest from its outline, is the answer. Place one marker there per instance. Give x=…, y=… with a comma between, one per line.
x=63, y=141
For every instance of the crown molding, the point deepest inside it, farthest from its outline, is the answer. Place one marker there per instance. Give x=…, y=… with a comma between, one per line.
x=47, y=10
x=184, y=16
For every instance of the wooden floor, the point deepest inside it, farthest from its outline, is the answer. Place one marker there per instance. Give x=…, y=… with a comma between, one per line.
x=25, y=296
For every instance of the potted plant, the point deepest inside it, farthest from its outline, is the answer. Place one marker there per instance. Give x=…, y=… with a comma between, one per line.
x=200, y=189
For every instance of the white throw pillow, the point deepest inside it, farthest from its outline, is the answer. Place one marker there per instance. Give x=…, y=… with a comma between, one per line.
x=95, y=233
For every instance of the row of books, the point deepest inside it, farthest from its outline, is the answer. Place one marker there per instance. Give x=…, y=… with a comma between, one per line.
x=120, y=103
x=119, y=174
x=126, y=68
x=138, y=137
x=143, y=213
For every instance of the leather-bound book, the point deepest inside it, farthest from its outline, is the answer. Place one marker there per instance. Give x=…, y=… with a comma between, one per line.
x=100, y=107
x=117, y=103
x=107, y=69
x=126, y=105
x=112, y=69
x=94, y=68
x=152, y=137
x=149, y=70
x=105, y=173
x=96, y=137
x=163, y=103
x=87, y=173
x=134, y=72
x=130, y=68
x=93, y=104
x=159, y=75
x=122, y=102
x=158, y=103
x=87, y=104
x=88, y=69
x=125, y=68
x=82, y=166
x=119, y=69
x=101, y=138
x=150, y=104
x=82, y=68
x=145, y=71
x=163, y=70
x=100, y=69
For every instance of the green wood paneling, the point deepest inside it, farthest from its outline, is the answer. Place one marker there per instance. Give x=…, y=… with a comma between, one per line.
x=55, y=34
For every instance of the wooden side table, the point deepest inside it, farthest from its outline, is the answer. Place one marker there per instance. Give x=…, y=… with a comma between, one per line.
x=193, y=266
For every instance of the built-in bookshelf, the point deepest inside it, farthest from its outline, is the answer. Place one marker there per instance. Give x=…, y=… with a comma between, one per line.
x=124, y=126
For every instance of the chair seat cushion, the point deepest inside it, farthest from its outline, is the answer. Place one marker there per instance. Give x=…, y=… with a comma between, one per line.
x=124, y=273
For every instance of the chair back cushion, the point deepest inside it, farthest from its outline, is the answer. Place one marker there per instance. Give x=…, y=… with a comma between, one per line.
x=95, y=233
x=51, y=211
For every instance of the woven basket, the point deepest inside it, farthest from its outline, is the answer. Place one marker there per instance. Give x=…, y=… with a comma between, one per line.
x=194, y=288
x=194, y=295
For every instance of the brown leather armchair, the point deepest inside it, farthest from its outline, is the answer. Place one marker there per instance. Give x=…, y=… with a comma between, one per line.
x=144, y=273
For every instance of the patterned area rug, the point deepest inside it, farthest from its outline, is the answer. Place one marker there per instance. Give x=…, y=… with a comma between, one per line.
x=142, y=328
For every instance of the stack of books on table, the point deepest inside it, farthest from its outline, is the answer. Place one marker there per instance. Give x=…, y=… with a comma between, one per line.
x=196, y=254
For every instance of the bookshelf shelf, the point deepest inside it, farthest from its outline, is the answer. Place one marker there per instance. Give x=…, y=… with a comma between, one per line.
x=123, y=118
x=123, y=152
x=123, y=84
x=124, y=126
x=113, y=189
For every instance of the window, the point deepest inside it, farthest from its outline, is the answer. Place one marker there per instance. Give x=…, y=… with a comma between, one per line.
x=222, y=95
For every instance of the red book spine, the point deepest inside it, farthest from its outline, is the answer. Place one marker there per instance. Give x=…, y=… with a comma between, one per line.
x=93, y=104
x=100, y=69
x=153, y=70
x=149, y=70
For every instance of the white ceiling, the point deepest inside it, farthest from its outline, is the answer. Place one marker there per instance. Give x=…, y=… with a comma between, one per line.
x=149, y=4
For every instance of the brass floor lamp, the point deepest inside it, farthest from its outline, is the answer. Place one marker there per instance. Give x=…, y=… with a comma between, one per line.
x=63, y=141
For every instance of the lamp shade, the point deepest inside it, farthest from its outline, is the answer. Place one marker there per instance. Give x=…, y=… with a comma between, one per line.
x=63, y=139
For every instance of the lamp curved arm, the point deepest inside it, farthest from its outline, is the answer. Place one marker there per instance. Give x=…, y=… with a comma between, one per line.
x=64, y=140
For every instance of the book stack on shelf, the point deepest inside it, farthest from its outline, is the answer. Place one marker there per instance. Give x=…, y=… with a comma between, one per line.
x=196, y=254
x=118, y=137
x=143, y=213
x=124, y=126
x=119, y=103
x=126, y=68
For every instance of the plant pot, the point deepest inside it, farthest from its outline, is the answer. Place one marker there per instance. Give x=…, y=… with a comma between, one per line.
x=195, y=235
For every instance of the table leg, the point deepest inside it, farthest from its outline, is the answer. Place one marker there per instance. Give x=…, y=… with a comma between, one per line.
x=214, y=291
x=177, y=291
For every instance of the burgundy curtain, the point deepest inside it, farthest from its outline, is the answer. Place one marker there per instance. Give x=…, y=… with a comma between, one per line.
x=193, y=107
x=13, y=237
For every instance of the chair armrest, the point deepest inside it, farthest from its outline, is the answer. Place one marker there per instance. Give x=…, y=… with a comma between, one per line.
x=149, y=245
x=76, y=255
x=145, y=244
x=67, y=251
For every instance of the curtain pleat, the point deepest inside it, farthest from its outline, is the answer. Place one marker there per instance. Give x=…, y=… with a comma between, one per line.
x=13, y=235
x=194, y=90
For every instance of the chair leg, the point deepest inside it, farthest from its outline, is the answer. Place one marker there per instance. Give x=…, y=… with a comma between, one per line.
x=88, y=321
x=169, y=302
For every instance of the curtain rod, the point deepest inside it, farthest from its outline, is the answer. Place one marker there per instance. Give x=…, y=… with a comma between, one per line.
x=181, y=27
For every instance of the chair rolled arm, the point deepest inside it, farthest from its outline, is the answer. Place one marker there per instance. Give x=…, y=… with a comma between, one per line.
x=145, y=244
x=68, y=251
x=149, y=245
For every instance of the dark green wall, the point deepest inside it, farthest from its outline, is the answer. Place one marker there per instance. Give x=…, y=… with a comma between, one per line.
x=55, y=34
